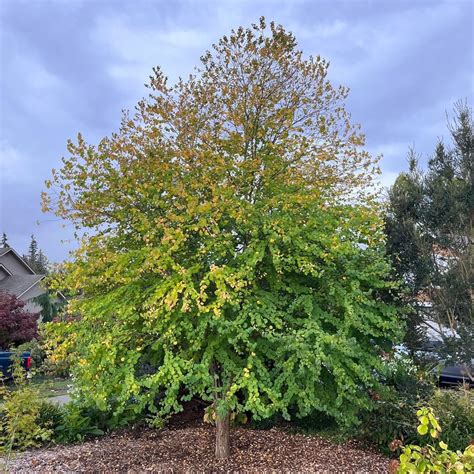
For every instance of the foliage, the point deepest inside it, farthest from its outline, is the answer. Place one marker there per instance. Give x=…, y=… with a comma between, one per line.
x=75, y=425
x=20, y=421
x=430, y=230
x=36, y=258
x=393, y=417
x=455, y=409
x=434, y=457
x=59, y=339
x=16, y=325
x=50, y=415
x=4, y=241
x=27, y=421
x=406, y=389
x=233, y=245
x=50, y=306
x=36, y=350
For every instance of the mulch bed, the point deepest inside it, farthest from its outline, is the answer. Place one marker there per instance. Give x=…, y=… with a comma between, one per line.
x=189, y=447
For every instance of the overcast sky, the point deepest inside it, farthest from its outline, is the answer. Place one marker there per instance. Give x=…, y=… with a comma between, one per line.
x=72, y=65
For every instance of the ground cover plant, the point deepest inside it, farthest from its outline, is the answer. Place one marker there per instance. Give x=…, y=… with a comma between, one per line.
x=235, y=251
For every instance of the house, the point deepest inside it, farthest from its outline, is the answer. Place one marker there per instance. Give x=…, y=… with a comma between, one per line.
x=17, y=278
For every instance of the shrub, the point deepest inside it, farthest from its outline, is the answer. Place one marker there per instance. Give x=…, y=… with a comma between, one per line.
x=50, y=415
x=394, y=413
x=434, y=457
x=20, y=426
x=455, y=410
x=16, y=325
x=76, y=425
x=58, y=351
x=36, y=350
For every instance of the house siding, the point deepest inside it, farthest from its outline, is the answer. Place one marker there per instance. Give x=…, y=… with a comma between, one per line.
x=14, y=265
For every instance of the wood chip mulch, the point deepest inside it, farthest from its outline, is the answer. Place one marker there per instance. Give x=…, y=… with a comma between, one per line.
x=190, y=448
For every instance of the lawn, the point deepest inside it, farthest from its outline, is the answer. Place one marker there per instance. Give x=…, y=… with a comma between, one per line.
x=50, y=387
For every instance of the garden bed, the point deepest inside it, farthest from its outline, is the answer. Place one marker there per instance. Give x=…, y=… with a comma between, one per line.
x=189, y=447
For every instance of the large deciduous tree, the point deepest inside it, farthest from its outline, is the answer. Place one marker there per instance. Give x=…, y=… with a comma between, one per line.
x=233, y=249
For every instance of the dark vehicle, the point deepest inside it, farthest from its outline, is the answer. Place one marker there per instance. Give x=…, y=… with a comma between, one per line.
x=6, y=363
x=455, y=375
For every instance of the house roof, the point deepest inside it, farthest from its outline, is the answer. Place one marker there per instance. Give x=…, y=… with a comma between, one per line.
x=19, y=284
x=5, y=250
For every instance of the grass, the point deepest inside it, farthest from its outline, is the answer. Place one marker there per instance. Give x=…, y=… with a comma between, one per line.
x=50, y=386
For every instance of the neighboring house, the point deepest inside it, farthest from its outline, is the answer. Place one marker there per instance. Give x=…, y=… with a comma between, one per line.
x=17, y=278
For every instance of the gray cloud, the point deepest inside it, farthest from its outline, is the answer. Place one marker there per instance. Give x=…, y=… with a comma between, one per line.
x=69, y=66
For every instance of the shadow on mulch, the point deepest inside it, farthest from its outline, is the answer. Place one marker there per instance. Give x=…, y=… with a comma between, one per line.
x=187, y=445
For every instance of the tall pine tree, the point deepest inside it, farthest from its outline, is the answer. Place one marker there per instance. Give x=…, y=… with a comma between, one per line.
x=430, y=229
x=4, y=241
x=36, y=258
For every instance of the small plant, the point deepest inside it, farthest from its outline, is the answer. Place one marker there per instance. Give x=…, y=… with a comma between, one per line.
x=434, y=457
x=75, y=426
x=20, y=424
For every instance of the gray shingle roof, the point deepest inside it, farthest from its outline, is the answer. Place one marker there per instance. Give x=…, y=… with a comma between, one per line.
x=4, y=250
x=18, y=284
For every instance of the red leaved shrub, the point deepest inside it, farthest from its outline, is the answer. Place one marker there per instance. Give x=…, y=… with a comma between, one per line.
x=16, y=325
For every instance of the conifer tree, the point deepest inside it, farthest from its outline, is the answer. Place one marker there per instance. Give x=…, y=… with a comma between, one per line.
x=4, y=241
x=430, y=228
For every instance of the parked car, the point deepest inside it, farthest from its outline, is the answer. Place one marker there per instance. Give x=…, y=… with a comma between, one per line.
x=455, y=375
x=6, y=363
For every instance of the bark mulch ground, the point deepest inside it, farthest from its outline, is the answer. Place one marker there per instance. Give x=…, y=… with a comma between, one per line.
x=190, y=448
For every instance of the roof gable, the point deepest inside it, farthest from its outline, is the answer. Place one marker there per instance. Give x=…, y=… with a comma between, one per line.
x=20, y=266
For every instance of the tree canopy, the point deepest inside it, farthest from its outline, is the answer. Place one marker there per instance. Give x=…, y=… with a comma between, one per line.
x=234, y=251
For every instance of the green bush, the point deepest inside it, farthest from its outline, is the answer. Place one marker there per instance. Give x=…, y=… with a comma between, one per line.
x=435, y=457
x=393, y=417
x=455, y=410
x=20, y=408
x=76, y=425
x=35, y=348
x=50, y=415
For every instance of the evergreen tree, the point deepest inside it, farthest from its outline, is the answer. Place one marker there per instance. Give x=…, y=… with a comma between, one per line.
x=36, y=258
x=430, y=229
x=42, y=263
x=4, y=241
x=407, y=245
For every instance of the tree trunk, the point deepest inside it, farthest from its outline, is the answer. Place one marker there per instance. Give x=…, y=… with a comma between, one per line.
x=223, y=436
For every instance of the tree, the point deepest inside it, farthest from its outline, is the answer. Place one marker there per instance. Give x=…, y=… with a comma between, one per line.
x=4, y=241
x=33, y=250
x=36, y=258
x=42, y=263
x=232, y=247
x=407, y=245
x=50, y=306
x=16, y=324
x=430, y=238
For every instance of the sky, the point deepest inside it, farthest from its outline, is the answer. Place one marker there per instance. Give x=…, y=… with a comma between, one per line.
x=69, y=66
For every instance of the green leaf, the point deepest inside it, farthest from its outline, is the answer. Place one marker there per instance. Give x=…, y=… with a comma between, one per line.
x=422, y=429
x=424, y=420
